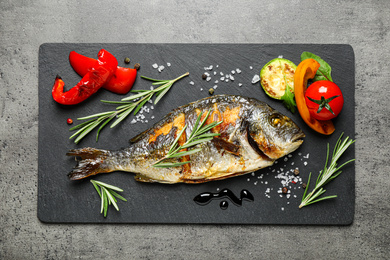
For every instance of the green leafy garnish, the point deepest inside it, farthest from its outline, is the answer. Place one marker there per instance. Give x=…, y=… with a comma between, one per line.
x=288, y=97
x=324, y=71
x=107, y=195
x=127, y=105
x=327, y=174
x=198, y=135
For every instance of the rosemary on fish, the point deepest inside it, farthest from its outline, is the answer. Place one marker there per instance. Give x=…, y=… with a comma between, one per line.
x=127, y=105
x=327, y=174
x=198, y=135
x=107, y=195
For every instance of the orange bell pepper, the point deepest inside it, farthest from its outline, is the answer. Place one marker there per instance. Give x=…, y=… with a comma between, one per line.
x=306, y=70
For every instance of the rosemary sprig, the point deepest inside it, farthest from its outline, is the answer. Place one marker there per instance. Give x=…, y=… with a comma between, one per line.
x=107, y=195
x=328, y=173
x=126, y=106
x=198, y=135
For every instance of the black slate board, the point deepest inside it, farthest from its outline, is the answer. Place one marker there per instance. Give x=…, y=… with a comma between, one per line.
x=64, y=201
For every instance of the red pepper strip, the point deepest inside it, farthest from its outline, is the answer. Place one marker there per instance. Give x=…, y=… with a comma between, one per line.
x=89, y=84
x=120, y=83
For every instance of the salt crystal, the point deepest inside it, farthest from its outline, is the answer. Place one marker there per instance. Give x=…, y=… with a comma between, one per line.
x=168, y=64
x=161, y=68
x=150, y=101
x=192, y=83
x=146, y=121
x=152, y=117
x=305, y=163
x=133, y=121
x=215, y=73
x=201, y=89
x=255, y=183
x=282, y=209
x=208, y=78
x=255, y=79
x=231, y=78
x=155, y=66
x=222, y=78
x=248, y=179
x=151, y=87
x=216, y=81
x=239, y=84
x=280, y=56
x=233, y=72
x=152, y=107
x=226, y=80
x=238, y=71
x=253, y=174
x=221, y=73
x=215, y=87
x=250, y=67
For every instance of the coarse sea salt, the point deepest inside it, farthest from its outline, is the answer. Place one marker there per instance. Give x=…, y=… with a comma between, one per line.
x=255, y=79
x=192, y=83
x=155, y=65
x=168, y=64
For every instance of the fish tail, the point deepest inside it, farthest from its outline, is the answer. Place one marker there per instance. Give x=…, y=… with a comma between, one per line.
x=90, y=161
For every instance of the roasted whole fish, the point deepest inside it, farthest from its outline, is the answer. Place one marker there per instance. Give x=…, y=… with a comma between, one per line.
x=252, y=136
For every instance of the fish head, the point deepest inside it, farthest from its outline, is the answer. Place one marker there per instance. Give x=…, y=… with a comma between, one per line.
x=273, y=133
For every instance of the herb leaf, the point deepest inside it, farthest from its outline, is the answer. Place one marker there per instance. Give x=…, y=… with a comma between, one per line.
x=328, y=173
x=197, y=136
x=324, y=72
x=107, y=195
x=127, y=105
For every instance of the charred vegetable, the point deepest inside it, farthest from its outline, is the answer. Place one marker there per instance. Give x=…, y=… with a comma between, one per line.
x=277, y=80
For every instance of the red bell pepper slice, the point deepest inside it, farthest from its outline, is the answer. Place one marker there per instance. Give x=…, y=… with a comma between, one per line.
x=120, y=83
x=91, y=82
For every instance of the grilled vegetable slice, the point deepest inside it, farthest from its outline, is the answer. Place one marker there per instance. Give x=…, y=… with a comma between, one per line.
x=277, y=80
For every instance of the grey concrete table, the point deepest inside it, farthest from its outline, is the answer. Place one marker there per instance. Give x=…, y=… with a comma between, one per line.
x=24, y=25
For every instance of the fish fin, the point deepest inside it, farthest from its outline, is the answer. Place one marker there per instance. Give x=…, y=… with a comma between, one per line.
x=143, y=178
x=226, y=145
x=91, y=163
x=137, y=137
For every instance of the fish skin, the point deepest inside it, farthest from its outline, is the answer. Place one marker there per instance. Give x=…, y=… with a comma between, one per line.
x=252, y=136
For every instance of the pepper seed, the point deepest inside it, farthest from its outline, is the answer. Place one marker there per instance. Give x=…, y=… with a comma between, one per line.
x=137, y=66
x=127, y=60
x=284, y=190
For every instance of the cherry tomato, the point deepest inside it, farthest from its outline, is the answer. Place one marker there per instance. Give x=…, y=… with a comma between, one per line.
x=324, y=100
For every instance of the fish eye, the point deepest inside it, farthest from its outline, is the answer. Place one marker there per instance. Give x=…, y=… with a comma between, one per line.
x=275, y=120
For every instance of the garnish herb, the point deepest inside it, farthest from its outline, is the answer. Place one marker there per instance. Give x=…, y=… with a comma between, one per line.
x=288, y=96
x=324, y=72
x=107, y=195
x=327, y=174
x=127, y=105
x=198, y=135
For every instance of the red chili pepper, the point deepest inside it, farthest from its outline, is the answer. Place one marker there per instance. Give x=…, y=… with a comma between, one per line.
x=120, y=83
x=91, y=82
